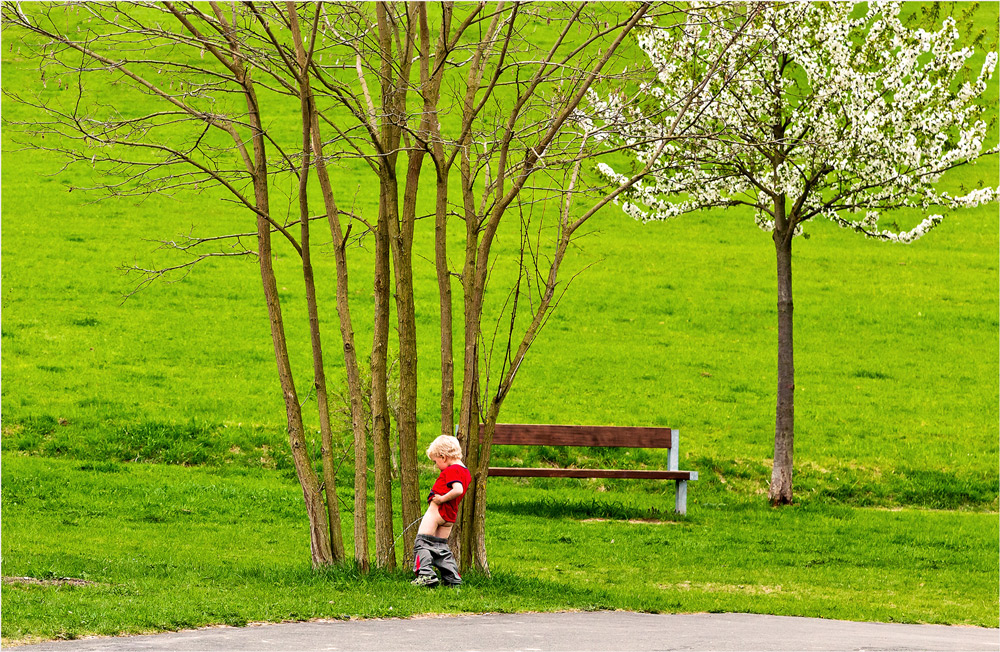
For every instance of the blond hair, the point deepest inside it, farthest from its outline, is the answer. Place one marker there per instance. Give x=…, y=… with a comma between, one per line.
x=445, y=447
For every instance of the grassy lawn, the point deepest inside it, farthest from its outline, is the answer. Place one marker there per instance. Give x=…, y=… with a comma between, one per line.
x=164, y=547
x=144, y=449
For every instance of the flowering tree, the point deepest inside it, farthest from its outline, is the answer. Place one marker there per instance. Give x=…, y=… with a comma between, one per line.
x=843, y=113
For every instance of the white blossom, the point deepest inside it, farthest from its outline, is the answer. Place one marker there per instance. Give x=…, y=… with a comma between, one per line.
x=873, y=112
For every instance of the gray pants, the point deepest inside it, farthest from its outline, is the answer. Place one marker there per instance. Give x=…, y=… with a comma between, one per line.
x=429, y=552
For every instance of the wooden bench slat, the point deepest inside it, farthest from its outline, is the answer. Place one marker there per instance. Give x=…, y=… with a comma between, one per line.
x=513, y=434
x=519, y=472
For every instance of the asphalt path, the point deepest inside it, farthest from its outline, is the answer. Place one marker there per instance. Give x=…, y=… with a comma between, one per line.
x=578, y=631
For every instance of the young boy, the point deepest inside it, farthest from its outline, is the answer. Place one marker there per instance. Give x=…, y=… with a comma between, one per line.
x=431, y=547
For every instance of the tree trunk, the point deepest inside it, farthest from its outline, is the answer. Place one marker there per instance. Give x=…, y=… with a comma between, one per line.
x=394, y=78
x=385, y=549
x=430, y=127
x=469, y=417
x=477, y=522
x=319, y=372
x=323, y=405
x=444, y=294
x=406, y=312
x=409, y=479
x=401, y=244
x=784, y=425
x=463, y=537
x=402, y=247
x=319, y=532
x=355, y=390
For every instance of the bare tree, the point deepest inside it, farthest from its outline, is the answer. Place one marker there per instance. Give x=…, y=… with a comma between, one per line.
x=518, y=142
x=185, y=107
x=486, y=94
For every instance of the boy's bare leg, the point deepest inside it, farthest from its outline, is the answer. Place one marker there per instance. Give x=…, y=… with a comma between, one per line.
x=423, y=558
x=432, y=521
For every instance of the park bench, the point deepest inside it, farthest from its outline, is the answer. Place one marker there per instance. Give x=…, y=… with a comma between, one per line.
x=510, y=434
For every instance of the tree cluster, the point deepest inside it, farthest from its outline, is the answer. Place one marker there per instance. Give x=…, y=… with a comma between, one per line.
x=466, y=112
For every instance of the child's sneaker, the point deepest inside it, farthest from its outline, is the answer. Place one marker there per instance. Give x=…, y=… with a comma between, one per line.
x=425, y=580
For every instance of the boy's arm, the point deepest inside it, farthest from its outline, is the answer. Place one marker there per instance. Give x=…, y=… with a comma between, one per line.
x=455, y=492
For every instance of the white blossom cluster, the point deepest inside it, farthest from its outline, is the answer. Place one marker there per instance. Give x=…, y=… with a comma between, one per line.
x=837, y=109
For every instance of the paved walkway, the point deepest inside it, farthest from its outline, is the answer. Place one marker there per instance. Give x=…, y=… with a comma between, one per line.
x=606, y=630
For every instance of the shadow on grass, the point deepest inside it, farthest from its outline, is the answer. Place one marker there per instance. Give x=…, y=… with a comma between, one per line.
x=502, y=591
x=926, y=488
x=580, y=509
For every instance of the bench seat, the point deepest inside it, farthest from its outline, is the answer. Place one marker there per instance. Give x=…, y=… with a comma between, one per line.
x=511, y=434
x=632, y=474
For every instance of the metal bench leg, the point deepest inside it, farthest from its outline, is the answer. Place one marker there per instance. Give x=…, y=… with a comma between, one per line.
x=682, y=497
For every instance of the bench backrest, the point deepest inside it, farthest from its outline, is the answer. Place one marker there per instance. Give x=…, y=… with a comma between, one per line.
x=515, y=434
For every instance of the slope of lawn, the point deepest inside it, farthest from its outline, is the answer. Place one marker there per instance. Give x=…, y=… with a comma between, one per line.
x=144, y=448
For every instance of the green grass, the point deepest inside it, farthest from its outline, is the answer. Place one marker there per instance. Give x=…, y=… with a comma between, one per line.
x=674, y=325
x=896, y=351
x=167, y=548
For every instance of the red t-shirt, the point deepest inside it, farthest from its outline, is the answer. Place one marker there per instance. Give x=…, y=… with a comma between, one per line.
x=451, y=475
